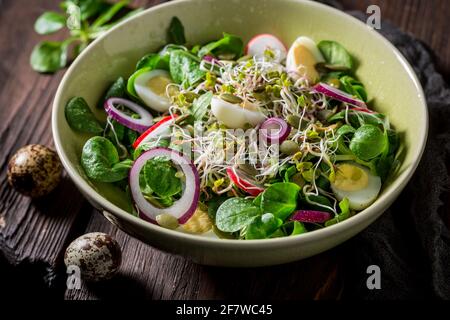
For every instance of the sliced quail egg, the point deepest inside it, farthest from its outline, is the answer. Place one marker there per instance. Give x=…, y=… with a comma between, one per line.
x=302, y=59
x=357, y=184
x=236, y=115
x=151, y=87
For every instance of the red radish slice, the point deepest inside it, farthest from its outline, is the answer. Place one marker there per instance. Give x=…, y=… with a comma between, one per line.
x=311, y=216
x=139, y=125
x=275, y=130
x=258, y=45
x=244, y=182
x=340, y=95
x=155, y=131
x=182, y=209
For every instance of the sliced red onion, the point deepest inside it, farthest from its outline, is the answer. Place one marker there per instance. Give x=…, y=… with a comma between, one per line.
x=275, y=130
x=337, y=94
x=155, y=131
x=139, y=125
x=244, y=182
x=311, y=216
x=183, y=208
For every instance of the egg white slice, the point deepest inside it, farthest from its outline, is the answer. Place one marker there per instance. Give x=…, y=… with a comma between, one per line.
x=234, y=115
x=151, y=88
x=360, y=199
x=302, y=57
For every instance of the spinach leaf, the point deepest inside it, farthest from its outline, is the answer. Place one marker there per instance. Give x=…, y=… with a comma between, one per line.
x=354, y=87
x=228, y=45
x=130, y=84
x=101, y=162
x=117, y=90
x=345, y=129
x=318, y=202
x=49, y=56
x=335, y=54
x=201, y=105
x=80, y=117
x=262, y=226
x=160, y=176
x=213, y=206
x=154, y=61
x=49, y=22
x=280, y=199
x=357, y=118
x=293, y=228
x=176, y=32
x=235, y=213
x=368, y=142
x=185, y=68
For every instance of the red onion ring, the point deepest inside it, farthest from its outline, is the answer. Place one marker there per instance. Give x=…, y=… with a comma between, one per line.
x=268, y=127
x=337, y=94
x=139, y=125
x=311, y=216
x=183, y=208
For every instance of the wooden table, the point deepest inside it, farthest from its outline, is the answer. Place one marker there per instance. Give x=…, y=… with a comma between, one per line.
x=34, y=234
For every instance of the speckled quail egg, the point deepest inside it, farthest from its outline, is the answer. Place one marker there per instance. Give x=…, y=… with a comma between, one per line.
x=97, y=254
x=34, y=170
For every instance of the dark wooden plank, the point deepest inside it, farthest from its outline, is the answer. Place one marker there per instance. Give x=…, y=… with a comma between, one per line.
x=151, y=274
x=32, y=232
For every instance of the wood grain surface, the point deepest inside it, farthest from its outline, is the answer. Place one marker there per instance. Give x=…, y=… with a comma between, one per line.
x=34, y=234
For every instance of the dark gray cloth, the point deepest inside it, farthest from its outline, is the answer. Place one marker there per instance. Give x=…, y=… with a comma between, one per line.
x=410, y=242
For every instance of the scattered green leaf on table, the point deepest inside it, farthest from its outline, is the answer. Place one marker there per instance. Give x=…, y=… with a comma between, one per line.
x=49, y=56
x=49, y=22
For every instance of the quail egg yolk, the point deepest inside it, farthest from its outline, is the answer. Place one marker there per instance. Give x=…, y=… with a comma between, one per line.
x=350, y=178
x=158, y=85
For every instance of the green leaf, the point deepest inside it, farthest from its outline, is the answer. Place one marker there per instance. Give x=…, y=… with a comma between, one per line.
x=49, y=56
x=345, y=129
x=214, y=204
x=368, y=142
x=228, y=45
x=335, y=54
x=101, y=162
x=176, y=32
x=185, y=68
x=280, y=199
x=262, y=227
x=299, y=228
x=88, y=8
x=80, y=117
x=201, y=105
x=161, y=177
x=235, y=213
x=109, y=14
x=354, y=87
x=344, y=206
x=130, y=85
x=117, y=90
x=49, y=22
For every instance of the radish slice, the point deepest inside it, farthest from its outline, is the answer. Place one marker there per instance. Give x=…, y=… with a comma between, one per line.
x=244, y=182
x=258, y=45
x=183, y=208
x=139, y=125
x=340, y=95
x=275, y=130
x=155, y=131
x=311, y=216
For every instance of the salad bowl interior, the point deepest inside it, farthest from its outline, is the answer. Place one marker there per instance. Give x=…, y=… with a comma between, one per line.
x=390, y=83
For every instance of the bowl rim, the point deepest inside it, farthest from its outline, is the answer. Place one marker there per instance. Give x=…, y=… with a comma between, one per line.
x=372, y=211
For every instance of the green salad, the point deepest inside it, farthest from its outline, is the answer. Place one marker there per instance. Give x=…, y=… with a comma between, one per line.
x=244, y=141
